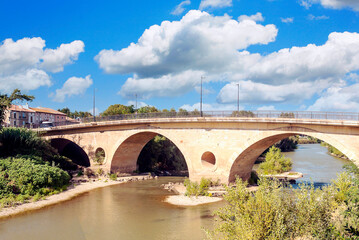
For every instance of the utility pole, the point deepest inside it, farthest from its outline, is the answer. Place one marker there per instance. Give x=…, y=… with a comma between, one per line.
x=94, y=110
x=202, y=77
x=136, y=100
x=238, y=98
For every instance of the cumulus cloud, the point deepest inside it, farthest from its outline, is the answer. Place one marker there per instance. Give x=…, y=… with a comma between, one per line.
x=215, y=4
x=211, y=107
x=198, y=41
x=334, y=4
x=333, y=60
x=162, y=86
x=169, y=60
x=287, y=20
x=29, y=79
x=259, y=93
x=180, y=7
x=54, y=60
x=73, y=86
x=266, y=108
x=23, y=63
x=256, y=17
x=338, y=98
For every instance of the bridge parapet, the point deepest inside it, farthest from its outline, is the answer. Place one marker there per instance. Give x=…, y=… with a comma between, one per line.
x=308, y=115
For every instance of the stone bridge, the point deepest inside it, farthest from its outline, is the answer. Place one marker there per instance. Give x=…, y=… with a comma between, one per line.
x=217, y=148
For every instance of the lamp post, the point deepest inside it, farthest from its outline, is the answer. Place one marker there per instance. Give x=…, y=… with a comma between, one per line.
x=94, y=109
x=202, y=77
x=238, y=98
x=136, y=100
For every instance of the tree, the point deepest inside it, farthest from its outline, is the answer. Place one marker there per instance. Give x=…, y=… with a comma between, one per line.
x=148, y=109
x=66, y=111
x=6, y=101
x=118, y=109
x=75, y=114
x=275, y=162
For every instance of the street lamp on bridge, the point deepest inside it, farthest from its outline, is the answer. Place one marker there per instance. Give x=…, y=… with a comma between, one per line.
x=202, y=77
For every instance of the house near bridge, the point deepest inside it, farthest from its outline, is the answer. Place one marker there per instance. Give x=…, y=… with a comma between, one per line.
x=25, y=116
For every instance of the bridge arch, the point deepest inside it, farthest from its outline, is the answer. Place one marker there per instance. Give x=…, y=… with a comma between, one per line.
x=71, y=150
x=124, y=159
x=242, y=164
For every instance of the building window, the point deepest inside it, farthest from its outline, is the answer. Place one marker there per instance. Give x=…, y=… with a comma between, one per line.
x=23, y=115
x=15, y=123
x=23, y=123
x=14, y=114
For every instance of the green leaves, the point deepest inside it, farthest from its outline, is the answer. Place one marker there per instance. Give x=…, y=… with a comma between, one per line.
x=275, y=162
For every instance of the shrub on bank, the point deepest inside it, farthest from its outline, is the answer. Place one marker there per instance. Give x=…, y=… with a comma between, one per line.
x=276, y=212
x=199, y=189
x=333, y=151
x=21, y=178
x=23, y=141
x=275, y=162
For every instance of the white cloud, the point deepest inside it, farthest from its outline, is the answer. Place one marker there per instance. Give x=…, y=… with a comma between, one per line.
x=306, y=3
x=258, y=93
x=334, y=4
x=338, y=98
x=162, y=86
x=256, y=17
x=23, y=63
x=312, y=17
x=215, y=4
x=30, y=79
x=198, y=41
x=180, y=7
x=266, y=108
x=54, y=60
x=333, y=60
x=205, y=91
x=287, y=20
x=169, y=60
x=73, y=86
x=211, y=107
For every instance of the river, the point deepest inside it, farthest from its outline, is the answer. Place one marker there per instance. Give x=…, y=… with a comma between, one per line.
x=136, y=210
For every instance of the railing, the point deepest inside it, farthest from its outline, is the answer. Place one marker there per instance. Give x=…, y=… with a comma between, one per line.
x=349, y=116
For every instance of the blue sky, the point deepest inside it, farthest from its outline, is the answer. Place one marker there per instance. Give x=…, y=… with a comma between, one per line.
x=285, y=55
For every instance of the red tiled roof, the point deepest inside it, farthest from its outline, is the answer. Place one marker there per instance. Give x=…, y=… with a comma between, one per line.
x=47, y=110
x=20, y=109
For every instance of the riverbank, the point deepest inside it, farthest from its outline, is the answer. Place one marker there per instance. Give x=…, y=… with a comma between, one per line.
x=181, y=200
x=73, y=191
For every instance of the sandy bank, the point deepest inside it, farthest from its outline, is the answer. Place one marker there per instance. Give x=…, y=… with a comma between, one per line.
x=182, y=200
x=72, y=192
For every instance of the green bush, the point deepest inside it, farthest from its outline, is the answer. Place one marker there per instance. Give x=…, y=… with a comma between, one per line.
x=242, y=113
x=23, y=177
x=276, y=212
x=113, y=176
x=199, y=189
x=25, y=142
x=333, y=151
x=287, y=115
x=275, y=162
